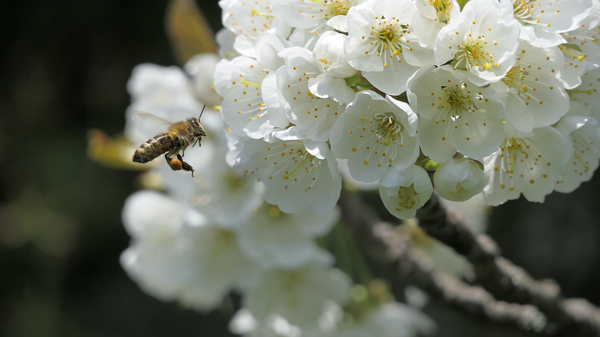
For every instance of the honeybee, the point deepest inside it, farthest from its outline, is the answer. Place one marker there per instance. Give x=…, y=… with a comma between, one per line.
x=177, y=138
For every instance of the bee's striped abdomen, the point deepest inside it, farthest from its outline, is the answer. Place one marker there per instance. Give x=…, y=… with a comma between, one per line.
x=153, y=148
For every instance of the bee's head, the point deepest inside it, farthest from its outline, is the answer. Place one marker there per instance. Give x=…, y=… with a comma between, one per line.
x=197, y=128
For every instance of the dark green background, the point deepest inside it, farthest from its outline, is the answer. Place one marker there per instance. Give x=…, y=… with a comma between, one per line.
x=63, y=70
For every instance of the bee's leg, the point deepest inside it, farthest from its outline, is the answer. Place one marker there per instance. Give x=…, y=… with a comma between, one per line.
x=183, y=150
x=185, y=166
x=174, y=163
x=197, y=142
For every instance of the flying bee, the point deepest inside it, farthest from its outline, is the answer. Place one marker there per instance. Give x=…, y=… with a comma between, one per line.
x=177, y=138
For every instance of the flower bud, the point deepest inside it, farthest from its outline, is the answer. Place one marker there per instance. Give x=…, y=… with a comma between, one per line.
x=459, y=179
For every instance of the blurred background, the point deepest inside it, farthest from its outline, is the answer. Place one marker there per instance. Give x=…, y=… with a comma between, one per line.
x=64, y=66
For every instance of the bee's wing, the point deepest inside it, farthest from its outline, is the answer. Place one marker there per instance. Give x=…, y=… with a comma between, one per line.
x=150, y=117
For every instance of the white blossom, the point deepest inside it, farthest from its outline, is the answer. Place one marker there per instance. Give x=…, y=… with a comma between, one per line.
x=298, y=173
x=243, y=323
x=248, y=19
x=374, y=133
x=525, y=163
x=584, y=133
x=225, y=39
x=251, y=104
x=298, y=295
x=532, y=94
x=276, y=239
x=219, y=192
x=329, y=52
x=313, y=115
x=382, y=46
x=353, y=183
x=587, y=92
x=177, y=255
x=431, y=17
x=403, y=192
x=389, y=320
x=542, y=21
x=454, y=115
x=201, y=68
x=581, y=50
x=315, y=16
x=480, y=45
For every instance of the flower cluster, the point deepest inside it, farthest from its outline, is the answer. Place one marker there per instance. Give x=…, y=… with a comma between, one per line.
x=487, y=96
x=407, y=96
x=214, y=233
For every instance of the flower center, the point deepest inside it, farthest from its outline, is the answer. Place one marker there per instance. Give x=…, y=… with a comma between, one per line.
x=325, y=64
x=455, y=100
x=234, y=181
x=443, y=9
x=515, y=78
x=335, y=7
x=306, y=157
x=521, y=10
x=473, y=54
x=223, y=241
x=512, y=147
x=520, y=157
x=388, y=128
x=528, y=12
x=386, y=40
x=408, y=198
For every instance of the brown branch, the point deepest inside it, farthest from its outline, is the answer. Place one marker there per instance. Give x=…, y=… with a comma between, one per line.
x=381, y=244
x=502, y=278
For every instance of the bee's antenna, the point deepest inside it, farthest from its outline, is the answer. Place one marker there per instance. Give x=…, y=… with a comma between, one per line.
x=201, y=112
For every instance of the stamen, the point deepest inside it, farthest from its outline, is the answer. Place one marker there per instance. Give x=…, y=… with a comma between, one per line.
x=582, y=162
x=589, y=92
x=246, y=83
x=568, y=51
x=287, y=176
x=266, y=15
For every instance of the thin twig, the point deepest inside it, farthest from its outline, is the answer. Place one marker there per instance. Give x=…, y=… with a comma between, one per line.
x=505, y=280
x=381, y=244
